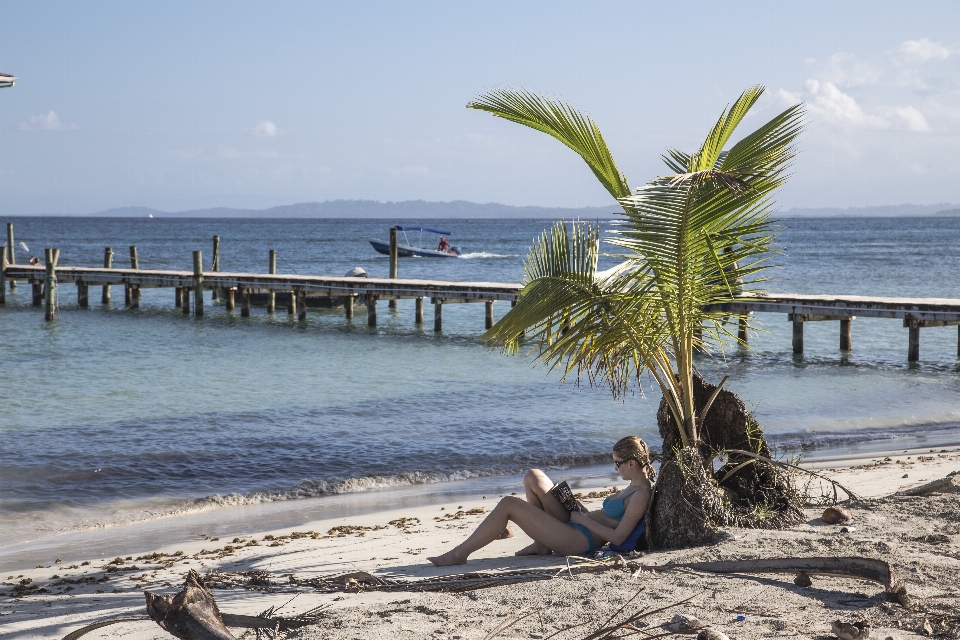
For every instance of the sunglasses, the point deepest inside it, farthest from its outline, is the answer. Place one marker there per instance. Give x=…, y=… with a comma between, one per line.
x=617, y=463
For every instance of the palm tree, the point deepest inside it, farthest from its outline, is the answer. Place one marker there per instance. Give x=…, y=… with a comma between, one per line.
x=687, y=243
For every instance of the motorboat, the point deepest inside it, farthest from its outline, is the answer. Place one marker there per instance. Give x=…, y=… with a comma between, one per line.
x=407, y=249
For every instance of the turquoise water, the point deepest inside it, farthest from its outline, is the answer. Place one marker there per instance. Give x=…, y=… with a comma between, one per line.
x=111, y=415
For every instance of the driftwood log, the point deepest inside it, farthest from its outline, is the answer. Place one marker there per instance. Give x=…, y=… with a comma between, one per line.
x=849, y=567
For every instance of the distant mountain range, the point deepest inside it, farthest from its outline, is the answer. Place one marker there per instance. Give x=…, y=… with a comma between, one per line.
x=885, y=211
x=421, y=209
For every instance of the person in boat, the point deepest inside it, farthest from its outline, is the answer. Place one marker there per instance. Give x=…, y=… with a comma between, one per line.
x=556, y=530
x=443, y=245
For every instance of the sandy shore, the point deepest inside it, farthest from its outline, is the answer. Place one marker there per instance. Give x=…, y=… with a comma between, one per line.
x=920, y=536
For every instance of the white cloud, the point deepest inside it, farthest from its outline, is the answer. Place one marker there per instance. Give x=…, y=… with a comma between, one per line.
x=827, y=100
x=49, y=121
x=846, y=70
x=923, y=50
x=911, y=118
x=265, y=129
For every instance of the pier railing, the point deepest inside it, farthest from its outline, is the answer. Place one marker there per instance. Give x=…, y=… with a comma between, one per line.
x=915, y=313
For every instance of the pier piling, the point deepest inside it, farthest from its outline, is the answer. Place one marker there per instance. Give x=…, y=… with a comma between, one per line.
x=291, y=303
x=178, y=297
x=913, y=348
x=50, y=285
x=488, y=319
x=348, y=306
x=11, y=253
x=846, y=335
x=393, y=262
x=37, y=288
x=371, y=310
x=244, y=302
x=301, y=297
x=215, y=295
x=83, y=295
x=198, y=283
x=107, y=264
x=797, y=335
x=3, y=275
x=742, y=330
x=131, y=291
x=231, y=298
x=185, y=301
x=419, y=316
x=272, y=269
x=438, y=315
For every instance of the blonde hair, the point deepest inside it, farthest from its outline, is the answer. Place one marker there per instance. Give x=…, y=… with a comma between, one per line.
x=633, y=448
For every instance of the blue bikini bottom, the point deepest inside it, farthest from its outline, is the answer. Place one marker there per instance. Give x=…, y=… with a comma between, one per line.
x=591, y=543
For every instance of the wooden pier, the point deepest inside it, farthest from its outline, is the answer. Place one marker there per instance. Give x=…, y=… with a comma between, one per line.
x=915, y=313
x=367, y=291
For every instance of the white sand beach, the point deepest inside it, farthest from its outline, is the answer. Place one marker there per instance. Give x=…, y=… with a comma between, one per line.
x=919, y=536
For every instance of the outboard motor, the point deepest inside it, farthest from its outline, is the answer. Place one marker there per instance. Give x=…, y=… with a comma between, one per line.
x=356, y=272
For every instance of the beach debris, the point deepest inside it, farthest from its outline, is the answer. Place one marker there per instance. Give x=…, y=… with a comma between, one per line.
x=850, y=567
x=197, y=601
x=927, y=628
x=403, y=523
x=850, y=631
x=630, y=623
x=949, y=484
x=932, y=538
x=509, y=622
x=191, y=614
x=682, y=623
x=345, y=530
x=712, y=634
x=802, y=579
x=847, y=529
x=459, y=515
x=836, y=515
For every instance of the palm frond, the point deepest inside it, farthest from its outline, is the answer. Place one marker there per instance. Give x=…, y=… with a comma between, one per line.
x=561, y=121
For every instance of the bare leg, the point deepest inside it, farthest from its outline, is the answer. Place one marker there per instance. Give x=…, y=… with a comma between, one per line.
x=536, y=486
x=537, y=524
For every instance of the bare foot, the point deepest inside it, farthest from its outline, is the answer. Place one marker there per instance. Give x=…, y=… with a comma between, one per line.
x=535, y=549
x=507, y=533
x=447, y=559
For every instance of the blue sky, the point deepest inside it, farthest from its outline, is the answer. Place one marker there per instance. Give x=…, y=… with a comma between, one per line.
x=182, y=105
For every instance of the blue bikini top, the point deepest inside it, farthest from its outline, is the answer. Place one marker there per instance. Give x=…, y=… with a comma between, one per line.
x=614, y=507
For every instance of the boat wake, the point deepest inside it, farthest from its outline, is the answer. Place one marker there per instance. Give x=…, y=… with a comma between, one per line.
x=484, y=254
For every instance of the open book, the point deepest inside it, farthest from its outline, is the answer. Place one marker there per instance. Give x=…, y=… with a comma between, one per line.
x=561, y=491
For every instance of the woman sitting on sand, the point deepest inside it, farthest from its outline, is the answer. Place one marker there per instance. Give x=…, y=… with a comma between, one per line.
x=556, y=530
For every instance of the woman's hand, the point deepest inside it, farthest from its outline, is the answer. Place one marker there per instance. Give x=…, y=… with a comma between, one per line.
x=577, y=517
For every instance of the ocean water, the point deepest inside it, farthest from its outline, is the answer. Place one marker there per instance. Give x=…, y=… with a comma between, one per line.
x=111, y=415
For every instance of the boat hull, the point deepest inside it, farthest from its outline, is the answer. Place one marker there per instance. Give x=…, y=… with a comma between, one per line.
x=406, y=251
